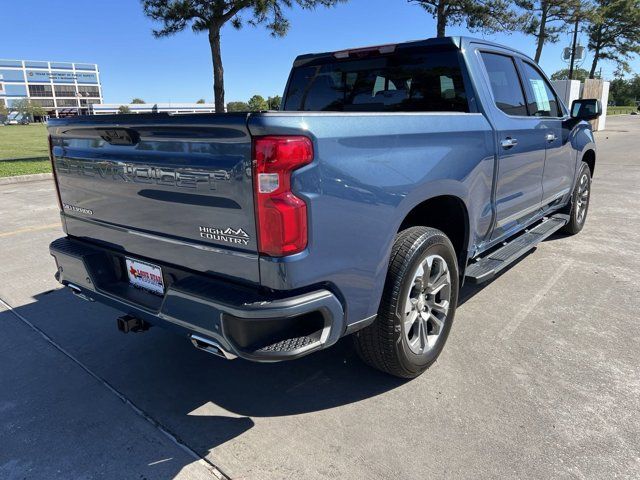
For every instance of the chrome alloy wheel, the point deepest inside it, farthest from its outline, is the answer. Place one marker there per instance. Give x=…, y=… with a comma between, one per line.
x=427, y=304
x=582, y=200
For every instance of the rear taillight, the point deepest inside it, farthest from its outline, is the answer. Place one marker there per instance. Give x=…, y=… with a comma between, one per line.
x=281, y=216
x=53, y=171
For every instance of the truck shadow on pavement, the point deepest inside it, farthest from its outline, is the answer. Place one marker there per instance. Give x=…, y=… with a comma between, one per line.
x=203, y=400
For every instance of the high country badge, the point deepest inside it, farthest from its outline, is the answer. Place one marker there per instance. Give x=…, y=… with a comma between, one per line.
x=229, y=235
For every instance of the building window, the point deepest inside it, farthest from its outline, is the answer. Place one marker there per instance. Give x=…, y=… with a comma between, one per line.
x=86, y=66
x=65, y=91
x=43, y=102
x=88, y=91
x=88, y=101
x=15, y=90
x=30, y=64
x=40, y=91
x=64, y=66
x=67, y=102
x=11, y=63
x=82, y=77
x=12, y=75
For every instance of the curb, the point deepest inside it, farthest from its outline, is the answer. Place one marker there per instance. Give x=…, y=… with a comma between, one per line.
x=25, y=178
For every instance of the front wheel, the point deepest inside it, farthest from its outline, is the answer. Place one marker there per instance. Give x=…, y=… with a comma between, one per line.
x=579, y=205
x=417, y=307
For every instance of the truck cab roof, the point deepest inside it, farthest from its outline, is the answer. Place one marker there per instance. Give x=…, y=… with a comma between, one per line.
x=459, y=42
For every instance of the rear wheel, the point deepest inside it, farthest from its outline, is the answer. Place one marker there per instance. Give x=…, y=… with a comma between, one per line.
x=417, y=306
x=579, y=201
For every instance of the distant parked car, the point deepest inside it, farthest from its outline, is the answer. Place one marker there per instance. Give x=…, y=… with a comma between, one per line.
x=16, y=118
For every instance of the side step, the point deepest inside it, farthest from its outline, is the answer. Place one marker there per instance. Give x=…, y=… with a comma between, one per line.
x=485, y=268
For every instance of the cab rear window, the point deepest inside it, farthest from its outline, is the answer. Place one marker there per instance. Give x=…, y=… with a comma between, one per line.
x=419, y=81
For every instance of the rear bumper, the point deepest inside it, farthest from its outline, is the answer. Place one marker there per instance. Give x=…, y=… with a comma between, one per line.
x=244, y=321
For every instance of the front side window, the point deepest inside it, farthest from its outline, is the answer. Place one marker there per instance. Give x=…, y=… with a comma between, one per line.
x=505, y=83
x=405, y=81
x=542, y=100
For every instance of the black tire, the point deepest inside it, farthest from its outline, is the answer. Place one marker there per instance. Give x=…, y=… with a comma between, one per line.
x=578, y=211
x=384, y=344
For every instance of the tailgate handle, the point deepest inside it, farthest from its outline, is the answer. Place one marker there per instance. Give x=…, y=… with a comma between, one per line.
x=119, y=136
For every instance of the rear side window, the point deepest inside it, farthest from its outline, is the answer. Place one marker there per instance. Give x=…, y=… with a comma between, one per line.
x=422, y=81
x=505, y=83
x=542, y=100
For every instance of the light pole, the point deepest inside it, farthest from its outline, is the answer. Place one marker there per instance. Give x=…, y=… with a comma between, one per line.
x=573, y=46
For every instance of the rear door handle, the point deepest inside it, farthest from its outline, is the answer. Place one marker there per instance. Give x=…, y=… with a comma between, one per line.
x=550, y=137
x=508, y=143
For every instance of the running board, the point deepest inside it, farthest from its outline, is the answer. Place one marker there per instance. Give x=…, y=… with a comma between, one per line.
x=487, y=267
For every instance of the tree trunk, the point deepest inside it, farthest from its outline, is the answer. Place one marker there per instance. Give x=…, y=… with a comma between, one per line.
x=542, y=32
x=596, y=53
x=218, y=71
x=441, y=18
x=594, y=64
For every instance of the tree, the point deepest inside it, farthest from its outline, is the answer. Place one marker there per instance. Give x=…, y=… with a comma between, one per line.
x=3, y=109
x=124, y=109
x=257, y=103
x=237, y=107
x=274, y=102
x=201, y=101
x=547, y=19
x=211, y=15
x=614, y=32
x=625, y=92
x=20, y=106
x=27, y=108
x=578, y=74
x=485, y=15
x=138, y=101
x=620, y=92
x=634, y=87
x=37, y=110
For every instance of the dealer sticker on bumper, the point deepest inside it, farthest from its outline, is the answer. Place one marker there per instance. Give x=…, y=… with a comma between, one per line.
x=145, y=275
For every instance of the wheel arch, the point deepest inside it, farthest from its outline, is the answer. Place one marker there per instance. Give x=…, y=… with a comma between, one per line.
x=447, y=213
x=589, y=157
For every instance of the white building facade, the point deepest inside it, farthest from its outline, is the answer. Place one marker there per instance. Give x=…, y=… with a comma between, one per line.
x=61, y=88
x=174, y=108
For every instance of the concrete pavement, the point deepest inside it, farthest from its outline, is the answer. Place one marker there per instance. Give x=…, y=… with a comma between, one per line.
x=539, y=379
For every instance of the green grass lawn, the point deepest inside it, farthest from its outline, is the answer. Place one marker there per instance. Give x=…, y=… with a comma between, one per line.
x=11, y=168
x=620, y=110
x=23, y=150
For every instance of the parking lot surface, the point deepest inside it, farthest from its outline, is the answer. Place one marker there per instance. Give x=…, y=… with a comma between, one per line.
x=540, y=377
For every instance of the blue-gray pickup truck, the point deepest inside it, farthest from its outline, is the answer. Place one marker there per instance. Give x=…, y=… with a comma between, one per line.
x=389, y=176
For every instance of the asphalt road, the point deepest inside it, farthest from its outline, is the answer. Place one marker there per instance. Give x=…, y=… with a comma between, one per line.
x=540, y=377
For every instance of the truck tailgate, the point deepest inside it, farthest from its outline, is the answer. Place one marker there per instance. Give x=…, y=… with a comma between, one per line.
x=175, y=189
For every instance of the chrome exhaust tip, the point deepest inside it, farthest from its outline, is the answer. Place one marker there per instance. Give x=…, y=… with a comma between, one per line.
x=210, y=346
x=77, y=291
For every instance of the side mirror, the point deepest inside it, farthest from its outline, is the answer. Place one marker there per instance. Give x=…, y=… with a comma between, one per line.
x=586, y=109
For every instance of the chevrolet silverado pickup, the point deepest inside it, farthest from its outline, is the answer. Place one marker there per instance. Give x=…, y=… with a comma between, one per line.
x=389, y=176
